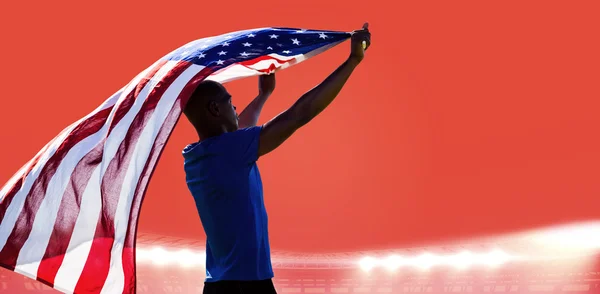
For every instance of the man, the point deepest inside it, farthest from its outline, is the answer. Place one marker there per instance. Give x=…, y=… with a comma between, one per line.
x=223, y=177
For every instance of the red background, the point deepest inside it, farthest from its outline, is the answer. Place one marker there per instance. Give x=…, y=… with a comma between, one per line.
x=466, y=118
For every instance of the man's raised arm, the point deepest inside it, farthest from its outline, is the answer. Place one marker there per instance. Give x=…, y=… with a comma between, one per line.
x=279, y=129
x=249, y=117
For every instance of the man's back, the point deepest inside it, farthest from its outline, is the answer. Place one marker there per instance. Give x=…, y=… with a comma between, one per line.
x=223, y=177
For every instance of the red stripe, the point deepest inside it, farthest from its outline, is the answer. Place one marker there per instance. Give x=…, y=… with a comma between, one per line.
x=138, y=198
x=66, y=217
x=97, y=266
x=5, y=202
x=272, y=67
x=23, y=225
x=71, y=200
x=264, y=57
x=199, y=77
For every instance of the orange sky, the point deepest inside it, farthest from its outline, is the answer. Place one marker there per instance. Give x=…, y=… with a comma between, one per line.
x=466, y=117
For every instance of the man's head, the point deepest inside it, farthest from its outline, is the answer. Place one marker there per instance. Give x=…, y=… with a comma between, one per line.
x=210, y=109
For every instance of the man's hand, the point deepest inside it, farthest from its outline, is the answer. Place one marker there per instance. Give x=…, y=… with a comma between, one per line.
x=266, y=84
x=357, y=51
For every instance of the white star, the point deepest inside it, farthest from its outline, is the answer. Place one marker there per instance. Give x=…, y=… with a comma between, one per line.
x=247, y=44
x=201, y=55
x=270, y=48
x=251, y=36
x=287, y=51
x=273, y=36
x=295, y=41
x=222, y=53
x=225, y=44
x=220, y=62
x=244, y=54
x=280, y=45
x=322, y=36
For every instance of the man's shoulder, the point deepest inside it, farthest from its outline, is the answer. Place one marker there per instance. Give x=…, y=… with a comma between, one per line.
x=239, y=145
x=240, y=136
x=248, y=131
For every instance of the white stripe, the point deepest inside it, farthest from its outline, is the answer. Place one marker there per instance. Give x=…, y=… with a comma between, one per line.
x=110, y=101
x=117, y=136
x=33, y=249
x=83, y=234
x=128, y=88
x=237, y=71
x=85, y=226
x=231, y=73
x=115, y=280
x=21, y=172
x=16, y=206
x=317, y=51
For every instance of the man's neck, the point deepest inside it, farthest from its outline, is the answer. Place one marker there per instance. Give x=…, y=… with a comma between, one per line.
x=207, y=134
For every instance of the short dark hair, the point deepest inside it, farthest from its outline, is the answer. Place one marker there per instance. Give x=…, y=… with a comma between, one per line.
x=204, y=93
x=207, y=89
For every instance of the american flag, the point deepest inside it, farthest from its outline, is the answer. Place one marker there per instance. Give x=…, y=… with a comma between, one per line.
x=69, y=216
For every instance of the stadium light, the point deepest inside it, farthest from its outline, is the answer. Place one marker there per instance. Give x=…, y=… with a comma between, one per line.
x=160, y=256
x=462, y=260
x=574, y=238
x=426, y=261
x=465, y=259
x=548, y=244
x=143, y=255
x=393, y=262
x=495, y=258
x=187, y=258
x=368, y=263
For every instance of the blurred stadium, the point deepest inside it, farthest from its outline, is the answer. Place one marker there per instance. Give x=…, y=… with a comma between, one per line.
x=556, y=260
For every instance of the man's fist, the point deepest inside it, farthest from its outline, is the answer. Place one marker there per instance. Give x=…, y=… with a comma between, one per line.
x=266, y=84
x=360, y=42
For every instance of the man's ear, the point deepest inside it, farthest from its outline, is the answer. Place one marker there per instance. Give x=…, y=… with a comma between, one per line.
x=213, y=108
